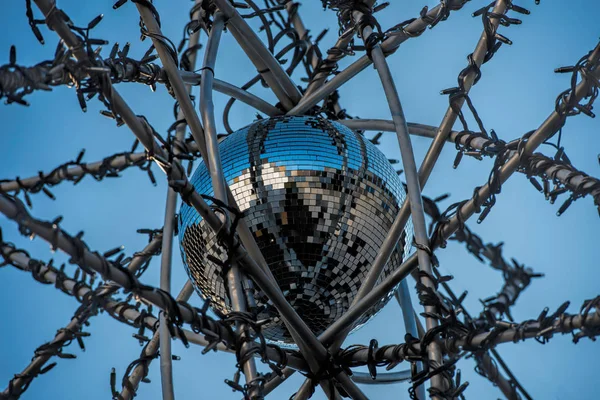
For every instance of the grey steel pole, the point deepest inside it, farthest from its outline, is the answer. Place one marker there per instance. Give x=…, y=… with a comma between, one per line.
x=166, y=362
x=384, y=125
x=234, y=275
x=194, y=122
x=413, y=195
x=385, y=378
x=270, y=69
x=151, y=348
x=192, y=78
x=207, y=112
x=179, y=88
x=163, y=335
x=23, y=261
x=402, y=295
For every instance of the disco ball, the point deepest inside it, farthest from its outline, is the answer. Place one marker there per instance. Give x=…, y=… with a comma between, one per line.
x=319, y=200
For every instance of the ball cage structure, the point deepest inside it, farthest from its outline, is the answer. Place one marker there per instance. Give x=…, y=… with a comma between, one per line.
x=450, y=332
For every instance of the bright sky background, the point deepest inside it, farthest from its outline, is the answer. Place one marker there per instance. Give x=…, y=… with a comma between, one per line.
x=516, y=93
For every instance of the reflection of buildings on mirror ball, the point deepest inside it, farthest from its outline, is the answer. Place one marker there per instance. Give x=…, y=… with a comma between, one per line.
x=319, y=199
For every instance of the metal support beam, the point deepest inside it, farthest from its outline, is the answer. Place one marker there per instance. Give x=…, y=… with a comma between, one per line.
x=413, y=197
x=270, y=69
x=389, y=46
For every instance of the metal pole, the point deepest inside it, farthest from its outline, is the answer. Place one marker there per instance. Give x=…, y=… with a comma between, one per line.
x=213, y=159
x=384, y=125
x=270, y=69
x=402, y=295
x=192, y=78
x=413, y=195
x=550, y=126
x=163, y=335
x=151, y=348
x=194, y=122
x=382, y=379
x=234, y=276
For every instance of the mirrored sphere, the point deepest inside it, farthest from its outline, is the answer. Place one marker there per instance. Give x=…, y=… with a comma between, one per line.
x=319, y=200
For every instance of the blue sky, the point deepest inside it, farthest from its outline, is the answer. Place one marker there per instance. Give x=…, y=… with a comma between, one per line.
x=516, y=93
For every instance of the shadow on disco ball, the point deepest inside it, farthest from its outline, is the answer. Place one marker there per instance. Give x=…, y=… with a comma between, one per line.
x=319, y=200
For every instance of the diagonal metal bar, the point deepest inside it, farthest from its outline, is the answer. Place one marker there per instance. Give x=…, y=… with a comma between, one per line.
x=549, y=127
x=270, y=69
x=388, y=46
